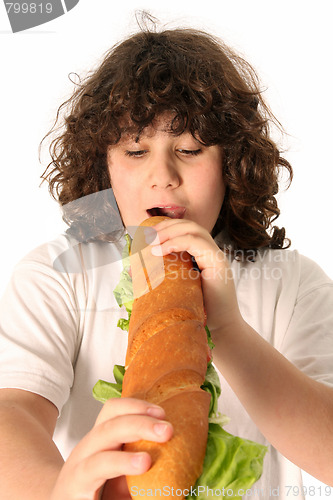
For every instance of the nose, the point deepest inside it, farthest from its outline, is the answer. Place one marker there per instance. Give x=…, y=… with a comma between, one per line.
x=163, y=172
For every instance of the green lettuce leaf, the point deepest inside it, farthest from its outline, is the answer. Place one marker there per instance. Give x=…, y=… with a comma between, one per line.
x=102, y=390
x=212, y=385
x=124, y=290
x=211, y=344
x=232, y=464
x=124, y=323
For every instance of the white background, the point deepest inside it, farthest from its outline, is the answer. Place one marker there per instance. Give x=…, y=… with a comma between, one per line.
x=288, y=42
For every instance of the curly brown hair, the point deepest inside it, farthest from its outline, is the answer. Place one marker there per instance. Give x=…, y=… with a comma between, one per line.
x=212, y=92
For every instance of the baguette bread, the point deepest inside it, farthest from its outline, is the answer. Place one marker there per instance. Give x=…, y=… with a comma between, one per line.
x=166, y=363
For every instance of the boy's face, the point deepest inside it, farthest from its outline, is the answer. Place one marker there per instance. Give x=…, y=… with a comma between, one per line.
x=164, y=174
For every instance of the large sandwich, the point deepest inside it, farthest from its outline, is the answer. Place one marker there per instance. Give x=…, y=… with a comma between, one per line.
x=168, y=363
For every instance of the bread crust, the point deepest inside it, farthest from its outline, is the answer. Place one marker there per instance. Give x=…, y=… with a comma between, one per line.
x=178, y=462
x=181, y=346
x=166, y=363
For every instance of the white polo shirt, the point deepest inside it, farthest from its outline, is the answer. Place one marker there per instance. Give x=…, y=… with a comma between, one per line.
x=58, y=334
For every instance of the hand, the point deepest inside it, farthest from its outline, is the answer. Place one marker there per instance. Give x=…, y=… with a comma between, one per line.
x=178, y=235
x=99, y=455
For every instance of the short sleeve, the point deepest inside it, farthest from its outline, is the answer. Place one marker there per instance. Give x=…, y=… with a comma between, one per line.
x=308, y=342
x=39, y=330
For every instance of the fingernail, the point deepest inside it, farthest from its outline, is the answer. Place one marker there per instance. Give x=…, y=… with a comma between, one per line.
x=137, y=460
x=150, y=235
x=156, y=411
x=157, y=251
x=160, y=428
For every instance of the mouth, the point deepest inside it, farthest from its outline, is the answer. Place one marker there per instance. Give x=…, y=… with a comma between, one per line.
x=172, y=211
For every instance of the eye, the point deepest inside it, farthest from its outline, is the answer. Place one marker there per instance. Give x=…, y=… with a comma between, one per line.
x=190, y=152
x=135, y=154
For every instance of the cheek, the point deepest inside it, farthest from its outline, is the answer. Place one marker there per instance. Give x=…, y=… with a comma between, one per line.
x=126, y=191
x=117, y=174
x=117, y=183
x=212, y=182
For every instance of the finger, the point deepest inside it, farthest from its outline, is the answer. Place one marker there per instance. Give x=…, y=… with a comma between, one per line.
x=113, y=433
x=90, y=474
x=128, y=406
x=177, y=227
x=170, y=222
x=204, y=252
x=111, y=464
